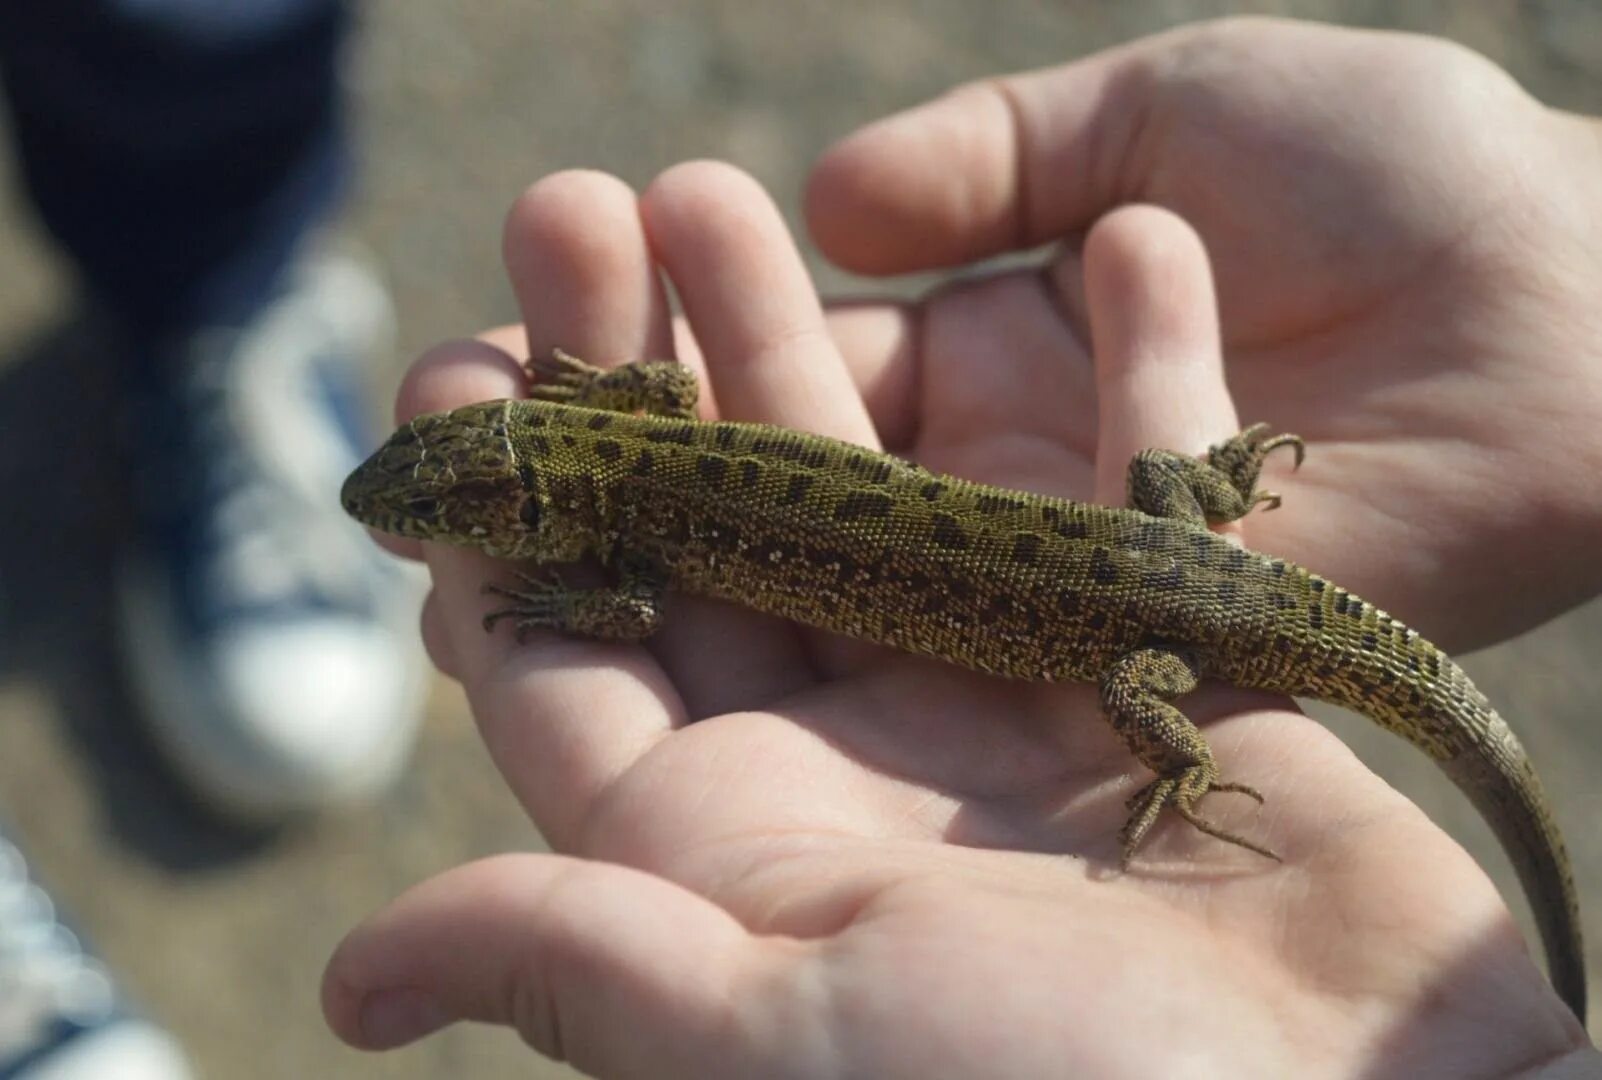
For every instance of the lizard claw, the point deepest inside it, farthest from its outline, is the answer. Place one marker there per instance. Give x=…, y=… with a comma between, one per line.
x=557, y=376
x=1241, y=460
x=1182, y=791
x=1295, y=442
x=537, y=604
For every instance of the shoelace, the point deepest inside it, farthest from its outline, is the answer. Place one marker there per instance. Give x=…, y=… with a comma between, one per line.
x=268, y=460
x=267, y=543
x=45, y=976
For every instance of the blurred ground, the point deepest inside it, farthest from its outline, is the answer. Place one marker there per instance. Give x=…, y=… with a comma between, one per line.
x=460, y=106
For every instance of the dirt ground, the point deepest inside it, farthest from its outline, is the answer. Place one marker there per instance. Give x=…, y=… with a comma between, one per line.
x=223, y=937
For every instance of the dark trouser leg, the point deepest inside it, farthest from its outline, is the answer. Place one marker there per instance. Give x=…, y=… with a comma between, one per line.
x=177, y=149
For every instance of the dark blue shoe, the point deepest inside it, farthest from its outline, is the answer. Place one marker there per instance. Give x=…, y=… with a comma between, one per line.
x=272, y=646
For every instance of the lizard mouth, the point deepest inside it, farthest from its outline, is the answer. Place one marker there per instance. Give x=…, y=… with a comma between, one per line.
x=354, y=494
x=365, y=498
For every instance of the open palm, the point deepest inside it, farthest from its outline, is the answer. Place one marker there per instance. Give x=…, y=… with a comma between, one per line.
x=788, y=855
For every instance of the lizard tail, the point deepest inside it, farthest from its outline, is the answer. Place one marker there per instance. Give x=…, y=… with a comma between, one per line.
x=1405, y=684
x=1430, y=701
x=1494, y=771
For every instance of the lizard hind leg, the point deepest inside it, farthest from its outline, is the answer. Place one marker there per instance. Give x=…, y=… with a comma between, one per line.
x=1221, y=488
x=1135, y=696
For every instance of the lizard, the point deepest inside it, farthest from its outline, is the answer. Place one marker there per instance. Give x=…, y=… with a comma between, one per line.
x=613, y=465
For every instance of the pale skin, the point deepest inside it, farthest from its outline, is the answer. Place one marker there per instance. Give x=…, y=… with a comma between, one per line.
x=854, y=863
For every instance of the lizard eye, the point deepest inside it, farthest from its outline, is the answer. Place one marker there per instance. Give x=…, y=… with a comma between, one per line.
x=529, y=512
x=423, y=506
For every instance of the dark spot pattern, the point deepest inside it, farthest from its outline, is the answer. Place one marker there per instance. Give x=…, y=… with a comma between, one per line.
x=712, y=469
x=1026, y=548
x=999, y=608
x=948, y=532
x=683, y=434
x=991, y=503
x=1170, y=579
x=875, y=470
x=862, y=504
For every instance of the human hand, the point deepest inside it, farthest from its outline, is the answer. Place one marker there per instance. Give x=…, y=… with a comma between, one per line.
x=1408, y=251
x=854, y=862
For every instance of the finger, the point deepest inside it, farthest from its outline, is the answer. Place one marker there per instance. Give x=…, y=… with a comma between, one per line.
x=1007, y=388
x=617, y=971
x=559, y=256
x=398, y=546
x=437, y=640
x=585, y=278
x=1016, y=333
x=878, y=340
x=582, y=273
x=561, y=717
x=993, y=166
x=879, y=343
x=455, y=373
x=758, y=323
x=750, y=303
x=560, y=720
x=1154, y=327
x=511, y=339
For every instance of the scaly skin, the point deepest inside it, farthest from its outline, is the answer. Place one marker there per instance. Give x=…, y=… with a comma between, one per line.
x=1144, y=601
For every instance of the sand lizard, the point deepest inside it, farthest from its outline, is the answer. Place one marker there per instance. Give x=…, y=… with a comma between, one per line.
x=1145, y=601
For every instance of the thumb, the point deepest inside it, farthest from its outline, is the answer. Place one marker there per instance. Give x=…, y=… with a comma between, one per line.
x=616, y=970
x=993, y=166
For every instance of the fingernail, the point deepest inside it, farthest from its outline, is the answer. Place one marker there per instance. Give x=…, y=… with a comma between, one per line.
x=392, y=1017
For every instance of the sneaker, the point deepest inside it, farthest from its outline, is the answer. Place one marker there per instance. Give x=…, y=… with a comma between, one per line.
x=61, y=1017
x=272, y=647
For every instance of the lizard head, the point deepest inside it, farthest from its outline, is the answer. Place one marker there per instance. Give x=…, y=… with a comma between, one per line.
x=453, y=477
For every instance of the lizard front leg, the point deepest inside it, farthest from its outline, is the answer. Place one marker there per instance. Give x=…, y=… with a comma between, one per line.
x=629, y=611
x=1221, y=488
x=655, y=387
x=1135, y=696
